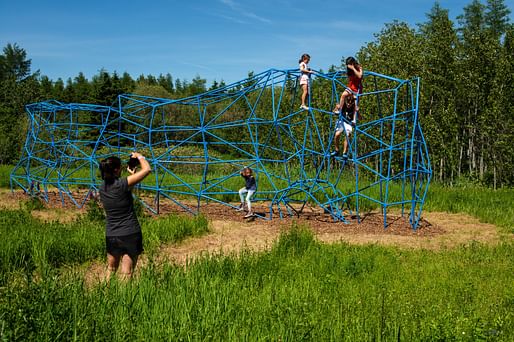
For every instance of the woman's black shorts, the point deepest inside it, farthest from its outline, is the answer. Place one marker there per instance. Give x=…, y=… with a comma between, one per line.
x=129, y=244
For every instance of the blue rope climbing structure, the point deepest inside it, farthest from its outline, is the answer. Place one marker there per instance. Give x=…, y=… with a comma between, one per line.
x=198, y=145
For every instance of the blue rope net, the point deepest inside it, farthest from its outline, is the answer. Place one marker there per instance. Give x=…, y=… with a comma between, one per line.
x=198, y=145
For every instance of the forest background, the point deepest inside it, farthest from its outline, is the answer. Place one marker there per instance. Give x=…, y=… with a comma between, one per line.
x=467, y=89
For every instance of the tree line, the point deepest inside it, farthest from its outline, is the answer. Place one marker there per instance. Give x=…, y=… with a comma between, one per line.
x=466, y=103
x=467, y=87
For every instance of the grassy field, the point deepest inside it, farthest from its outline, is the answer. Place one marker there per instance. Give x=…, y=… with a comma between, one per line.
x=298, y=290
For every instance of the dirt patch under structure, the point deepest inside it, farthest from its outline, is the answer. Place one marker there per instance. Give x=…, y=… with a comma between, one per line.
x=437, y=230
x=229, y=229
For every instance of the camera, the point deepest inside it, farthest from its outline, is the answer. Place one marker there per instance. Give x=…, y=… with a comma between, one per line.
x=132, y=163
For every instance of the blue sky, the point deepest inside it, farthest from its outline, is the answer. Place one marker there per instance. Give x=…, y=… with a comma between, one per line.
x=216, y=40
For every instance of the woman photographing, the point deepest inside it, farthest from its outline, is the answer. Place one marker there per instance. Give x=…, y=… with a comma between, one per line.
x=123, y=237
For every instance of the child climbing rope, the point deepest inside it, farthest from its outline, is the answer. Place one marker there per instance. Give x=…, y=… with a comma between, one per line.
x=249, y=189
x=304, y=78
x=354, y=72
x=349, y=113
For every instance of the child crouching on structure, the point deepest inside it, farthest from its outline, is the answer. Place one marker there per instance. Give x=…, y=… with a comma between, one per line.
x=349, y=112
x=249, y=189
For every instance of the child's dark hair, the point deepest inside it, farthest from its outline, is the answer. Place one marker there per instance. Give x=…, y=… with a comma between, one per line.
x=351, y=61
x=349, y=101
x=108, y=168
x=247, y=169
x=305, y=55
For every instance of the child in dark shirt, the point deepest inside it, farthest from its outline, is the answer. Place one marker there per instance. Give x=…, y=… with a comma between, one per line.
x=249, y=189
x=342, y=126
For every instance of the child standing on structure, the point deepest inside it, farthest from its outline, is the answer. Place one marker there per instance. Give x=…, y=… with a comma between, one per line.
x=342, y=125
x=304, y=78
x=249, y=189
x=354, y=73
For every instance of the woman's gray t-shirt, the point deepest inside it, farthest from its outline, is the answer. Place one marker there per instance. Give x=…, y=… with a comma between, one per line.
x=119, y=208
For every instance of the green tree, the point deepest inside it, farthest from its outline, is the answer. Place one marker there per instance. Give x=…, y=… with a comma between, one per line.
x=395, y=51
x=480, y=33
x=501, y=112
x=127, y=84
x=497, y=17
x=82, y=89
x=17, y=88
x=473, y=78
x=166, y=82
x=14, y=63
x=438, y=112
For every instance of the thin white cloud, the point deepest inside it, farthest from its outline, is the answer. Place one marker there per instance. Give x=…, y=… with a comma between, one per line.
x=241, y=11
x=229, y=3
x=354, y=26
x=229, y=18
x=313, y=40
x=199, y=66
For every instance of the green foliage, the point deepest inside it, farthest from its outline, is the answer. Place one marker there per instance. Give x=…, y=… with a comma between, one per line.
x=465, y=106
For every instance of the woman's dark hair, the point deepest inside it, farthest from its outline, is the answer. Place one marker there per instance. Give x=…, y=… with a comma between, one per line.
x=108, y=169
x=305, y=55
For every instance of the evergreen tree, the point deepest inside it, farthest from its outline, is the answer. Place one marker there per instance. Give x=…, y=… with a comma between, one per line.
x=82, y=89
x=58, y=90
x=18, y=87
x=127, y=84
x=46, y=88
x=166, y=82
x=497, y=17
x=14, y=63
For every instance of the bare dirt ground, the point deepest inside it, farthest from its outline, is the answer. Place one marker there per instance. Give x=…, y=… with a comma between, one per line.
x=230, y=233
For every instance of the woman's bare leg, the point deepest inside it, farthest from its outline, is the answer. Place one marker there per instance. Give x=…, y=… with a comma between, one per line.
x=128, y=264
x=112, y=265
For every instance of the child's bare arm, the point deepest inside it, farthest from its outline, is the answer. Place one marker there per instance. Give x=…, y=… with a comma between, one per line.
x=357, y=71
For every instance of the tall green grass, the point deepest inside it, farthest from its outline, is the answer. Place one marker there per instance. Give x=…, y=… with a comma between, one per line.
x=29, y=244
x=5, y=174
x=490, y=206
x=300, y=290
